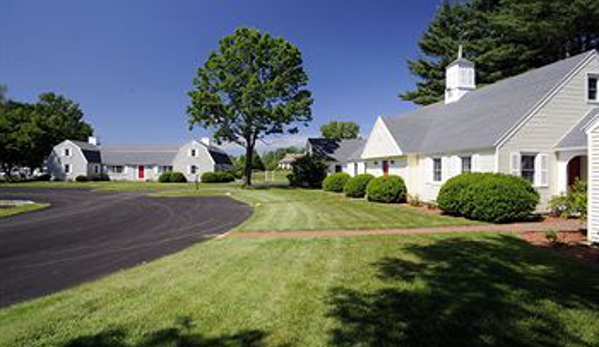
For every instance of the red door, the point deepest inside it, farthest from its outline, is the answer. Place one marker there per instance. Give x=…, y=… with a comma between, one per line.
x=385, y=167
x=141, y=172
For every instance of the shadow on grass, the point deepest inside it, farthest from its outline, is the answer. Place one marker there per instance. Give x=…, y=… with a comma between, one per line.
x=462, y=292
x=180, y=335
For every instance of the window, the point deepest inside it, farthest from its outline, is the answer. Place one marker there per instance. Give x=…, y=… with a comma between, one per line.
x=67, y=168
x=466, y=164
x=592, y=88
x=338, y=168
x=437, y=170
x=193, y=152
x=527, y=167
x=96, y=169
x=166, y=169
x=193, y=169
x=116, y=169
x=67, y=152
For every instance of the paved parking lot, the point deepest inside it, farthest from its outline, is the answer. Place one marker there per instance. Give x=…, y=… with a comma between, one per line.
x=87, y=234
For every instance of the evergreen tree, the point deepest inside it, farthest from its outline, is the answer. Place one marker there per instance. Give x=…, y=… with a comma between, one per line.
x=503, y=38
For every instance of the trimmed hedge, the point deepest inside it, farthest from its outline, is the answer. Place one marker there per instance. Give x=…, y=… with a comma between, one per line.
x=450, y=198
x=387, y=189
x=165, y=177
x=81, y=178
x=495, y=198
x=217, y=177
x=98, y=177
x=177, y=177
x=356, y=186
x=335, y=182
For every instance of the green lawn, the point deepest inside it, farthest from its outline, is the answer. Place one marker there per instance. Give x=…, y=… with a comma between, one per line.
x=286, y=209
x=5, y=212
x=435, y=290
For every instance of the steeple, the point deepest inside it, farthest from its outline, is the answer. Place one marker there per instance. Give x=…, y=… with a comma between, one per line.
x=459, y=78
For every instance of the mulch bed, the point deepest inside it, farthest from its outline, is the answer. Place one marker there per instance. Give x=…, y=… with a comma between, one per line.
x=571, y=244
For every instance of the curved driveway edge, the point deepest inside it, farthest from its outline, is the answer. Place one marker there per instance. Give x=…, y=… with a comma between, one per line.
x=87, y=234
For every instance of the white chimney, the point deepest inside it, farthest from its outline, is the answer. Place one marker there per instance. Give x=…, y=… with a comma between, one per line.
x=205, y=140
x=93, y=140
x=459, y=78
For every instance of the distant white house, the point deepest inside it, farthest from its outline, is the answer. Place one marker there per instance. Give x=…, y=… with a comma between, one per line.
x=531, y=125
x=339, y=155
x=70, y=159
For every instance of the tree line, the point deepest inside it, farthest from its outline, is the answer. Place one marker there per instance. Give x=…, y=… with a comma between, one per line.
x=29, y=131
x=503, y=38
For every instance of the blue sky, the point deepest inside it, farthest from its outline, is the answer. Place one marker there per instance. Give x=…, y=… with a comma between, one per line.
x=129, y=63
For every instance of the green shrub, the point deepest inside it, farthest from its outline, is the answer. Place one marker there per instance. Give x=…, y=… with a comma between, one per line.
x=356, y=186
x=81, y=178
x=98, y=177
x=308, y=172
x=387, y=189
x=498, y=198
x=451, y=197
x=572, y=204
x=177, y=177
x=165, y=177
x=217, y=177
x=335, y=182
x=43, y=178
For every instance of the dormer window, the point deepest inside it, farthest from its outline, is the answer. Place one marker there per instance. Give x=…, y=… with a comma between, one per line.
x=67, y=152
x=592, y=88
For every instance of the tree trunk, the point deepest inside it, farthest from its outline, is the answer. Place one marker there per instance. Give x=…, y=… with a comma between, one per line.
x=249, y=154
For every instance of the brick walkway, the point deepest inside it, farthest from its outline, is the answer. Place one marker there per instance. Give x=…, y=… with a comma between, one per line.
x=554, y=224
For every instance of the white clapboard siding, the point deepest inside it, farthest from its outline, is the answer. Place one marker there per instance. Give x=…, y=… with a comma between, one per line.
x=593, y=166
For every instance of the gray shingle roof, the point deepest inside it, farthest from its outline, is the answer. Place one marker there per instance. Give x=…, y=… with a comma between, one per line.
x=336, y=150
x=139, y=154
x=482, y=117
x=577, y=138
x=85, y=145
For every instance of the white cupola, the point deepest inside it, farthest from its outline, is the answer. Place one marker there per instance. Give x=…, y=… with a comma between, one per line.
x=459, y=78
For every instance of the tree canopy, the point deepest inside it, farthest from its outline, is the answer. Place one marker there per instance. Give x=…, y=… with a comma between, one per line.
x=253, y=86
x=503, y=38
x=340, y=130
x=28, y=132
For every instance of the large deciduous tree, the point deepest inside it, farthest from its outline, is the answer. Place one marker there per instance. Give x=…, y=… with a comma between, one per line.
x=253, y=86
x=503, y=37
x=28, y=132
x=340, y=130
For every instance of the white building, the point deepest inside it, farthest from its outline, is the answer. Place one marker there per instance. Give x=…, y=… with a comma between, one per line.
x=530, y=125
x=70, y=159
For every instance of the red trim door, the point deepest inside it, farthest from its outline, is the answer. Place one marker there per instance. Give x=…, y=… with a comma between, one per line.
x=141, y=172
x=385, y=167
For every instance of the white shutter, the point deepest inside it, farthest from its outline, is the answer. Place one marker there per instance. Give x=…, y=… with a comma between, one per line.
x=515, y=164
x=428, y=169
x=445, y=168
x=542, y=170
x=475, y=163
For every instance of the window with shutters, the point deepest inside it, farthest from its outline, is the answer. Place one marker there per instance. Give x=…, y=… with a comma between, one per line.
x=592, y=83
x=437, y=170
x=527, y=167
x=466, y=164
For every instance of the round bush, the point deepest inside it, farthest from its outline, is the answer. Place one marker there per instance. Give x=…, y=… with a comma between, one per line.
x=217, y=177
x=177, y=177
x=387, y=189
x=81, y=178
x=43, y=178
x=451, y=198
x=356, y=186
x=497, y=198
x=99, y=177
x=335, y=182
x=165, y=177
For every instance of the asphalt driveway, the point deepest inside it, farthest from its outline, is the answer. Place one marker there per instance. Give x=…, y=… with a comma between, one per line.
x=87, y=234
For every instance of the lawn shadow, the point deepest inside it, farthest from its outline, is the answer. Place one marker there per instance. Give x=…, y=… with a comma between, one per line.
x=180, y=335
x=465, y=292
